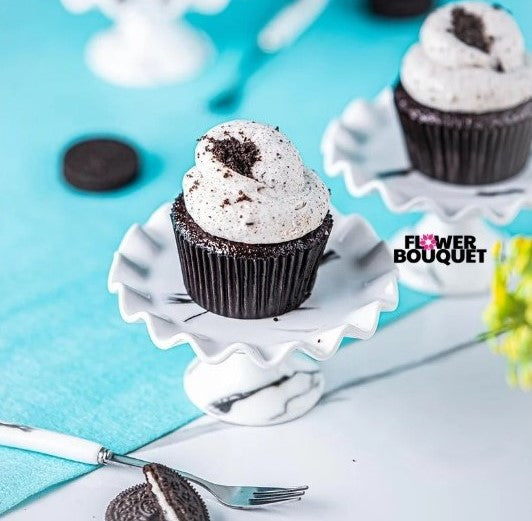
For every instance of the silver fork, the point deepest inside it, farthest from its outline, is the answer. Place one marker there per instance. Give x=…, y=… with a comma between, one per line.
x=231, y=496
x=85, y=451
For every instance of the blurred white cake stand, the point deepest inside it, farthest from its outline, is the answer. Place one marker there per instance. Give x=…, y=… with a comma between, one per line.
x=149, y=43
x=247, y=371
x=365, y=145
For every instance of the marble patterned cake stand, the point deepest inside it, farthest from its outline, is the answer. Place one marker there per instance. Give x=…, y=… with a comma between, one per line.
x=365, y=145
x=255, y=372
x=149, y=43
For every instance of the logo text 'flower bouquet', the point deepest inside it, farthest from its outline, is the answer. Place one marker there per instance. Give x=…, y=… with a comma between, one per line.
x=450, y=249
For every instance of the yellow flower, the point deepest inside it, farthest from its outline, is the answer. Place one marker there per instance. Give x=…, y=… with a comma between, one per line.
x=510, y=347
x=525, y=376
x=497, y=250
x=511, y=377
x=510, y=309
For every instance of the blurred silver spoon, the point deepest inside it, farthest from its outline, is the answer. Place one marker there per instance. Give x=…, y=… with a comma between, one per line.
x=280, y=32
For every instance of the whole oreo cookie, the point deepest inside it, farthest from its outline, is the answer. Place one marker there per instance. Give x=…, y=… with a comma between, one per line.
x=134, y=504
x=400, y=8
x=101, y=164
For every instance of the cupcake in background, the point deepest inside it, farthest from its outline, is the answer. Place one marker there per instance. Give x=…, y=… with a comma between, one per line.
x=251, y=224
x=400, y=8
x=465, y=95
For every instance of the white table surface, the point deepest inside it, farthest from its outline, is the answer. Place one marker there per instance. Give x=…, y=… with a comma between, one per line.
x=446, y=440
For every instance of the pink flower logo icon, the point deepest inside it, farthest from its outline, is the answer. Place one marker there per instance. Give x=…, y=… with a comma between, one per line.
x=427, y=241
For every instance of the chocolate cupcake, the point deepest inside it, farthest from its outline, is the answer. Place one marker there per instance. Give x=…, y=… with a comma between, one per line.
x=400, y=8
x=465, y=96
x=251, y=224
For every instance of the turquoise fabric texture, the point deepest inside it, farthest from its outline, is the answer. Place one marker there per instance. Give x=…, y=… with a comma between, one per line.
x=67, y=360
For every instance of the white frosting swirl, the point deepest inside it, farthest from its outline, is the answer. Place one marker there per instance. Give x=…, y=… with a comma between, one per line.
x=445, y=73
x=280, y=201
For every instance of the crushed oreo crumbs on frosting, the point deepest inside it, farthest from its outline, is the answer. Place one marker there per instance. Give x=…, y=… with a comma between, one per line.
x=469, y=28
x=239, y=156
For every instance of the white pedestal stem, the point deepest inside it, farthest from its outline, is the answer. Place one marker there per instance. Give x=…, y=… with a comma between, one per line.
x=238, y=391
x=140, y=51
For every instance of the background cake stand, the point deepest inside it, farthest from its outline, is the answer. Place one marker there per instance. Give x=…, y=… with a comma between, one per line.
x=248, y=372
x=365, y=145
x=150, y=43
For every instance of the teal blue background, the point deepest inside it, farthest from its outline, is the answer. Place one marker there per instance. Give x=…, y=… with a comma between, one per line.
x=67, y=361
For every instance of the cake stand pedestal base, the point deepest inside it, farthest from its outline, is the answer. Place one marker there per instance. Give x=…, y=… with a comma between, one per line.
x=239, y=391
x=456, y=278
x=140, y=53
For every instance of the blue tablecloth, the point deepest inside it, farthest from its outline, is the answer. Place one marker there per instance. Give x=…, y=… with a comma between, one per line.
x=67, y=361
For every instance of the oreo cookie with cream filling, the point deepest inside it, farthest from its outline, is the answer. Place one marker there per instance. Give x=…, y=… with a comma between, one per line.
x=134, y=504
x=166, y=497
x=175, y=497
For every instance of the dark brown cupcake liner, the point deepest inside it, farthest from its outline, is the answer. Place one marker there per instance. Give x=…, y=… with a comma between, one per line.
x=248, y=287
x=400, y=8
x=246, y=281
x=465, y=148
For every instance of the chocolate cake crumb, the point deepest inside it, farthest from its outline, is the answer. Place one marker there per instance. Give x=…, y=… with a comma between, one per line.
x=499, y=67
x=275, y=319
x=250, y=224
x=469, y=28
x=243, y=197
x=194, y=186
x=225, y=202
x=239, y=156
